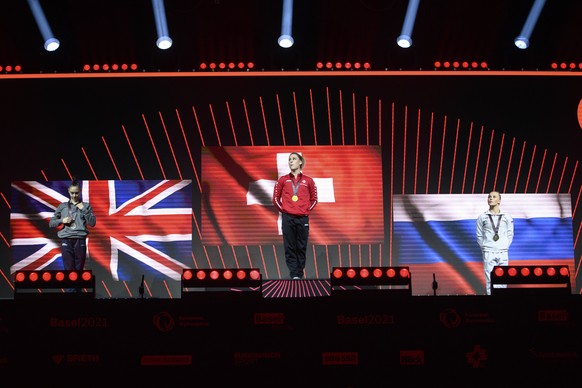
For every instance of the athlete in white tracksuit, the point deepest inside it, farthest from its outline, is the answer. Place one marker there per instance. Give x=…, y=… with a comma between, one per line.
x=494, y=236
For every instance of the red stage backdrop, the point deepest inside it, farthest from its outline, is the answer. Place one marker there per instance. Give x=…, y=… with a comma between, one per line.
x=238, y=184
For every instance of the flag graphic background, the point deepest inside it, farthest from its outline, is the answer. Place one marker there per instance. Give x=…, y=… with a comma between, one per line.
x=143, y=228
x=238, y=184
x=436, y=234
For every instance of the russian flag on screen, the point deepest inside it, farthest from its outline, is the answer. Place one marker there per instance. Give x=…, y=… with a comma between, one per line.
x=434, y=228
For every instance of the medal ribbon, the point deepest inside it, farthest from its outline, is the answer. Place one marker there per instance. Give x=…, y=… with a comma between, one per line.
x=495, y=228
x=295, y=187
x=72, y=214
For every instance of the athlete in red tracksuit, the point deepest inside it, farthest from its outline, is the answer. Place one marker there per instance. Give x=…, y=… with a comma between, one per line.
x=295, y=195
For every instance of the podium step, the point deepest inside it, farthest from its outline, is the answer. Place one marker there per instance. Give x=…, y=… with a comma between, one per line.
x=304, y=288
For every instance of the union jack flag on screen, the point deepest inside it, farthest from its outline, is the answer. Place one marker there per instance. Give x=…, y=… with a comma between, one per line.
x=143, y=227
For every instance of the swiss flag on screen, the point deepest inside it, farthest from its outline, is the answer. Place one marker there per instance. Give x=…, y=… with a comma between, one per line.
x=238, y=183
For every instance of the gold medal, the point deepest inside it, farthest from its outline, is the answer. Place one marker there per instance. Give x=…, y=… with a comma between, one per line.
x=295, y=198
x=495, y=237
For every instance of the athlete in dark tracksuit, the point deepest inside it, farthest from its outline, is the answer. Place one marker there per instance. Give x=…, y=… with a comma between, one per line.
x=73, y=217
x=295, y=195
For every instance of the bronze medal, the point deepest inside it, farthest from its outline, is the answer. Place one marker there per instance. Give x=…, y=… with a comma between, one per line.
x=295, y=198
x=495, y=237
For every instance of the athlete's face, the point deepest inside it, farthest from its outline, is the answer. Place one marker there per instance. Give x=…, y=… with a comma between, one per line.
x=494, y=198
x=294, y=162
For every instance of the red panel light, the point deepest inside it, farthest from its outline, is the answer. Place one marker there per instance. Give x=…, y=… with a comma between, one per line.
x=551, y=271
x=223, y=278
x=30, y=282
x=359, y=277
x=517, y=278
x=404, y=273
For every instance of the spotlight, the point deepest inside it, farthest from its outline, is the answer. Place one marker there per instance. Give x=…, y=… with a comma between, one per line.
x=54, y=282
x=50, y=42
x=530, y=279
x=229, y=279
x=405, y=40
x=398, y=279
x=164, y=41
x=286, y=39
x=522, y=41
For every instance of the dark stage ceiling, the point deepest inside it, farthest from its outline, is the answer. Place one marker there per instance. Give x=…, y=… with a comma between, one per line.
x=123, y=31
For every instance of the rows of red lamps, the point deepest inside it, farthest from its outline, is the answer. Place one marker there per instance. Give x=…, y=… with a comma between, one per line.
x=217, y=66
x=47, y=276
x=242, y=66
x=240, y=274
x=537, y=271
x=365, y=273
x=108, y=67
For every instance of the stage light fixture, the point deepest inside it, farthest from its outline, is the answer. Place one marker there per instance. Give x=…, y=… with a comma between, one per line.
x=405, y=38
x=522, y=40
x=228, y=279
x=54, y=282
x=370, y=278
x=530, y=278
x=50, y=42
x=286, y=39
x=164, y=41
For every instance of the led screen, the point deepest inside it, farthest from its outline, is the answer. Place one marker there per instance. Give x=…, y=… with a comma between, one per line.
x=143, y=228
x=238, y=185
x=436, y=235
